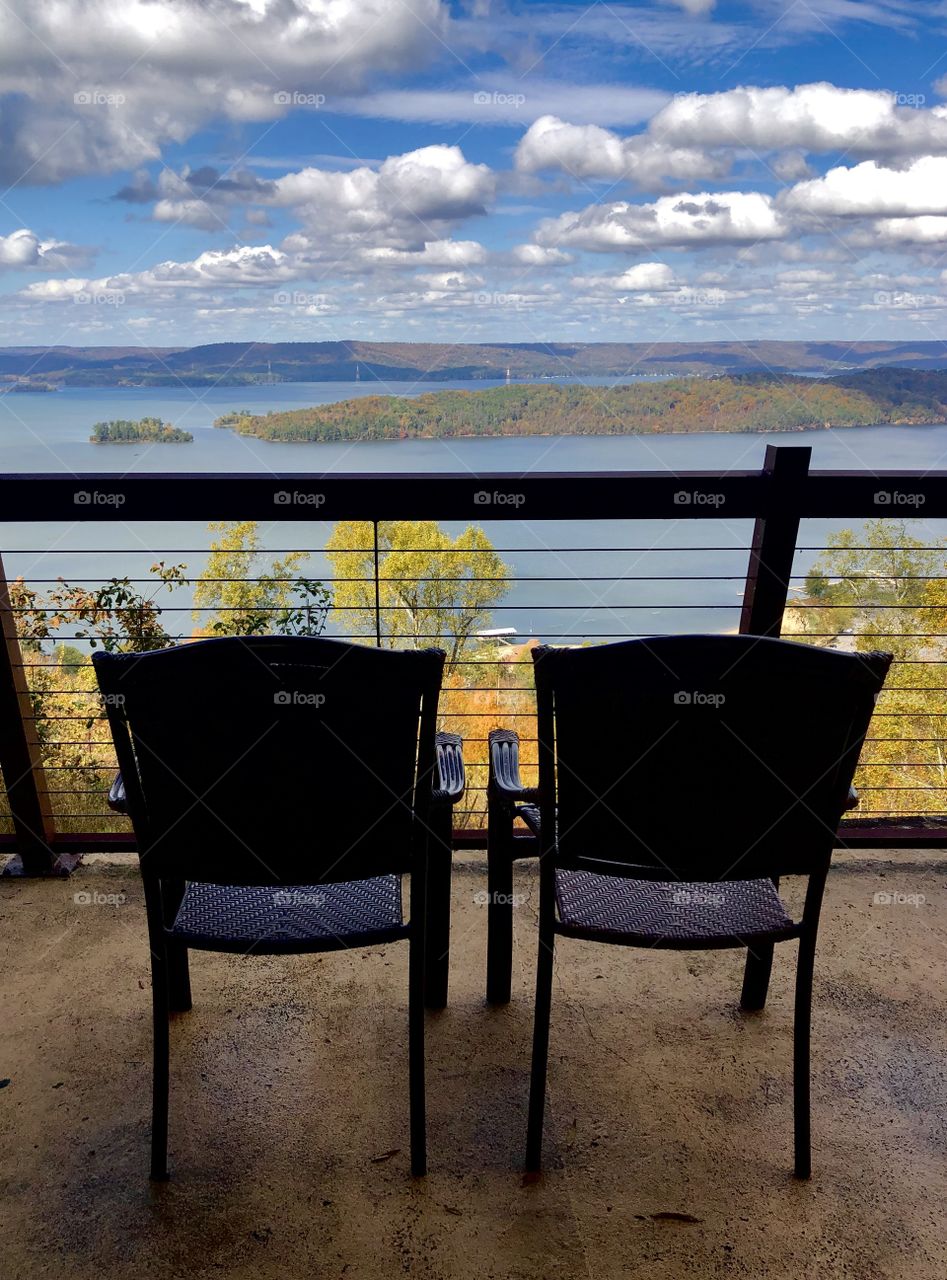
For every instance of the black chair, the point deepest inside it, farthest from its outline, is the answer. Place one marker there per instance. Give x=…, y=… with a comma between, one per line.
x=508, y=800
x=279, y=788
x=679, y=779
x=450, y=784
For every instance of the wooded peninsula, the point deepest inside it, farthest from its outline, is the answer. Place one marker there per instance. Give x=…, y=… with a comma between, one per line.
x=751, y=402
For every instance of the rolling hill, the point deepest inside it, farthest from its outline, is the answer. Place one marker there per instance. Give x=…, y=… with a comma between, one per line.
x=236, y=363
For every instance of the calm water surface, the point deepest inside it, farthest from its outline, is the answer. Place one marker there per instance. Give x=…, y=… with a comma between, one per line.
x=49, y=432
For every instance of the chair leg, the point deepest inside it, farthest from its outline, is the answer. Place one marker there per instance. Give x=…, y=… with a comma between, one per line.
x=537, y=1082
x=179, y=978
x=161, y=1069
x=759, y=965
x=437, y=945
x=802, y=1023
x=416, y=967
x=499, y=904
x=156, y=907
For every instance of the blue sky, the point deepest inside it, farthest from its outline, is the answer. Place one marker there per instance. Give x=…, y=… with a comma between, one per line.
x=184, y=171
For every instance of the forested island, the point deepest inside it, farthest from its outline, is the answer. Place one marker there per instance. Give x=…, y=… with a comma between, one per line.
x=147, y=430
x=751, y=402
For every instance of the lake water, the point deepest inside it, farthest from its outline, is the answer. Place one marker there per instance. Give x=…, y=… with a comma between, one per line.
x=49, y=432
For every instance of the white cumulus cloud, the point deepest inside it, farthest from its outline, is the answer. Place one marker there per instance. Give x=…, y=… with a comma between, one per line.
x=732, y=217
x=910, y=231
x=24, y=249
x=434, y=253
x=247, y=265
x=94, y=86
x=537, y=255
x=589, y=151
x=410, y=199
x=810, y=117
x=645, y=277
x=871, y=189
x=695, y=136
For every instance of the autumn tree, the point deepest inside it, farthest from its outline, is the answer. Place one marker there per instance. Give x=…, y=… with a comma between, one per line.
x=432, y=589
x=888, y=589
x=116, y=615
x=122, y=616
x=245, y=599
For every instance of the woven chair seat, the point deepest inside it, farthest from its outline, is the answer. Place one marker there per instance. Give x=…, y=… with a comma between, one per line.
x=659, y=913
x=308, y=917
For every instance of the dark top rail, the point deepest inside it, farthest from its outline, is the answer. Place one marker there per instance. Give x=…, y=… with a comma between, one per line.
x=629, y=495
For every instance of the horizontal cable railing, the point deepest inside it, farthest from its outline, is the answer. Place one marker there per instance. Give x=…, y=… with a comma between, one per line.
x=902, y=607
x=489, y=682
x=629, y=559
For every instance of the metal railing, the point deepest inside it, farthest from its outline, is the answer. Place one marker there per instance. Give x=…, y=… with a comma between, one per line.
x=585, y=559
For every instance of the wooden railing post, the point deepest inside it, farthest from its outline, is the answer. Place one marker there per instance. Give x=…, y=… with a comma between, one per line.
x=774, y=541
x=768, y=576
x=20, y=756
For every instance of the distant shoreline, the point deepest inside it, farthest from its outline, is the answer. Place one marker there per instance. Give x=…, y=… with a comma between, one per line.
x=567, y=435
x=350, y=360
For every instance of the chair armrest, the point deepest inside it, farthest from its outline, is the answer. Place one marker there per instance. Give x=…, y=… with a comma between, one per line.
x=450, y=780
x=117, y=799
x=504, y=782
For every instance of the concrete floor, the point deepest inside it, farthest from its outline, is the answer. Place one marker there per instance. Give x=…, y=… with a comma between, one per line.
x=668, y=1150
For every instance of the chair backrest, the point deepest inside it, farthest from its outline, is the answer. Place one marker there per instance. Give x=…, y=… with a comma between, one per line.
x=699, y=757
x=274, y=760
